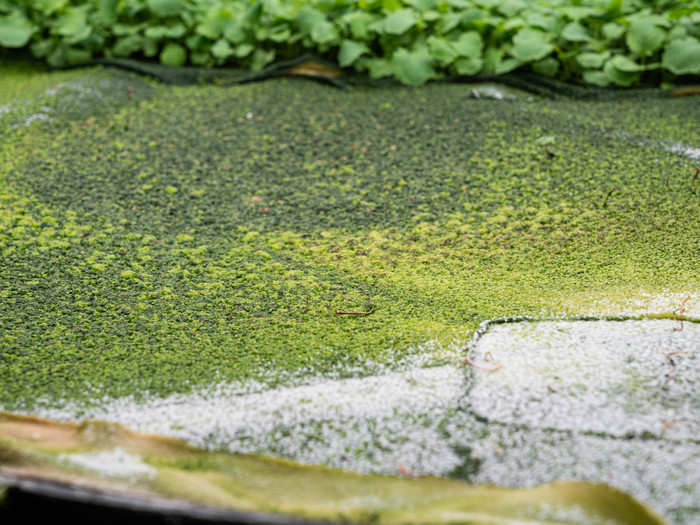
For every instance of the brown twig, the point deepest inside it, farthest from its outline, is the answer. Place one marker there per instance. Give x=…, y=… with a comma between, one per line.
x=685, y=91
x=405, y=472
x=670, y=355
x=680, y=311
x=605, y=201
x=667, y=424
x=670, y=422
x=493, y=368
x=498, y=448
x=684, y=306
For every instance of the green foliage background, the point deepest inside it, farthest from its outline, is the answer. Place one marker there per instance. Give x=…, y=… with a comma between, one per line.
x=601, y=42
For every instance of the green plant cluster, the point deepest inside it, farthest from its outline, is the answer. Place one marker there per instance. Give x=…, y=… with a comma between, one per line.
x=601, y=42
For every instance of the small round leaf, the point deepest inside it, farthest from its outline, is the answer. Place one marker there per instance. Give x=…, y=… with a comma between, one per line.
x=173, y=55
x=15, y=30
x=575, y=32
x=399, y=21
x=682, y=56
x=412, y=67
x=350, y=51
x=530, y=45
x=644, y=37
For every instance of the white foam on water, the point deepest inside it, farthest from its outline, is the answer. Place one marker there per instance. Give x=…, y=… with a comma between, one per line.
x=674, y=147
x=647, y=303
x=685, y=150
x=116, y=463
x=663, y=474
x=617, y=378
x=366, y=424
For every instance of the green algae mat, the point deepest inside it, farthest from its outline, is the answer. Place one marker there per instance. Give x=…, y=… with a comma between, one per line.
x=186, y=246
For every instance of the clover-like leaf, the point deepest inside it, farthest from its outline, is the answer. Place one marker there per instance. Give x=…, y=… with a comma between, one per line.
x=622, y=71
x=612, y=31
x=575, y=32
x=469, y=66
x=235, y=32
x=412, y=67
x=541, y=21
x=593, y=60
x=165, y=7
x=682, y=56
x=261, y=58
x=15, y=30
x=547, y=67
x=442, y=50
x=511, y=7
x=159, y=32
x=469, y=44
x=73, y=25
x=359, y=23
x=308, y=17
x=578, y=12
x=530, y=45
x=128, y=45
x=324, y=32
x=222, y=49
x=644, y=37
x=507, y=65
x=399, y=21
x=625, y=64
x=173, y=55
x=243, y=50
x=448, y=22
x=378, y=67
x=597, y=78
x=350, y=51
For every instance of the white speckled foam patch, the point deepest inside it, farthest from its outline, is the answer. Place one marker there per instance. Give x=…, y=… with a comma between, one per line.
x=618, y=378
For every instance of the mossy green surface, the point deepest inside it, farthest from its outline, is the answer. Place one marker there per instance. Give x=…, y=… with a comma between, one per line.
x=21, y=80
x=165, y=237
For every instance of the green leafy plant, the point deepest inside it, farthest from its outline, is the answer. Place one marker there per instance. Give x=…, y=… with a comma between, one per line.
x=602, y=42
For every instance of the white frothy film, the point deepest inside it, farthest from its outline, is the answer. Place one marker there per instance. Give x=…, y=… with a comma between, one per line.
x=647, y=303
x=684, y=149
x=678, y=148
x=116, y=463
x=618, y=378
x=377, y=423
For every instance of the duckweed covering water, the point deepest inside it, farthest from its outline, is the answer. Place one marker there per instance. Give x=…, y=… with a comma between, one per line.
x=157, y=240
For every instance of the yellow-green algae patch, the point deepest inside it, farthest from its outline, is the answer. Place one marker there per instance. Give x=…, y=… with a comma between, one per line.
x=21, y=80
x=34, y=447
x=205, y=234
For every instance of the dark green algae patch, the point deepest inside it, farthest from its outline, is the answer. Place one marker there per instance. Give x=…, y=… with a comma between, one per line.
x=155, y=238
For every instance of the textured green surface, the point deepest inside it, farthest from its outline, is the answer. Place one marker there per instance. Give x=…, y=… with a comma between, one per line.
x=155, y=238
x=20, y=81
